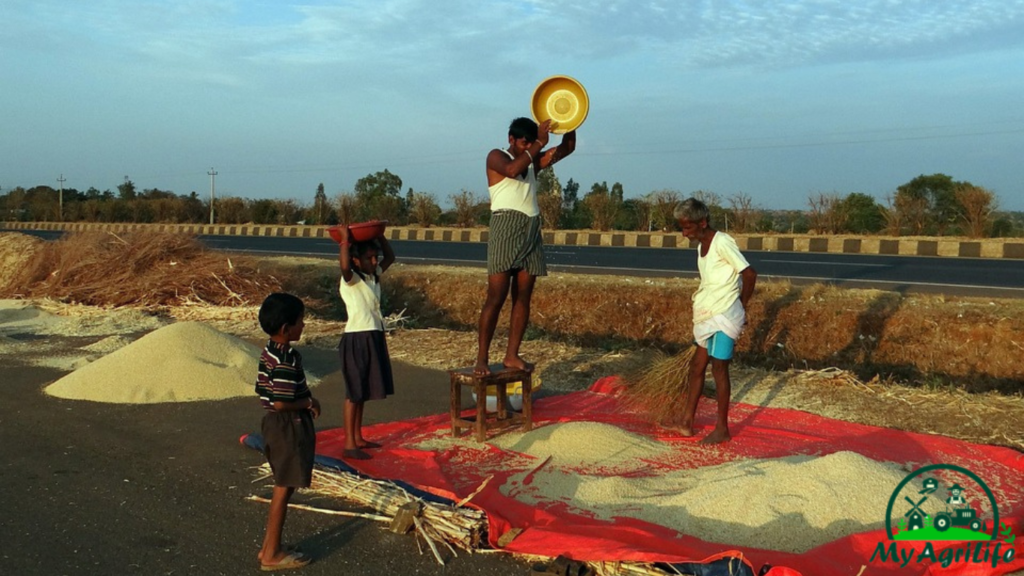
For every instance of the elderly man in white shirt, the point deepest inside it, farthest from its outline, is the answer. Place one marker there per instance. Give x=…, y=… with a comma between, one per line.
x=719, y=312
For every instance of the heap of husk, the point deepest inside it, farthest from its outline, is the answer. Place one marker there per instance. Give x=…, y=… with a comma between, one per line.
x=140, y=269
x=659, y=390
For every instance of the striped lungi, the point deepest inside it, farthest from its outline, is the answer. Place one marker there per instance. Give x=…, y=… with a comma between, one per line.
x=515, y=242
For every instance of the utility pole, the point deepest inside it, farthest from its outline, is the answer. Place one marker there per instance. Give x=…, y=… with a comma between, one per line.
x=213, y=178
x=60, y=197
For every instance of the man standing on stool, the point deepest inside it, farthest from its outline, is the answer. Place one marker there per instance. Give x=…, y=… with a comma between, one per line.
x=515, y=247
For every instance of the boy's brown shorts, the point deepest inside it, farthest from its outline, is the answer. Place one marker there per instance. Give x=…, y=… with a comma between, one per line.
x=289, y=443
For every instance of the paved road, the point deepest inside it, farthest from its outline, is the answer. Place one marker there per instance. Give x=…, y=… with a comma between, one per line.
x=156, y=489
x=953, y=276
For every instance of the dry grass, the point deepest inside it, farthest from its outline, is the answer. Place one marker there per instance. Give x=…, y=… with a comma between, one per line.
x=660, y=389
x=142, y=269
x=16, y=252
x=971, y=343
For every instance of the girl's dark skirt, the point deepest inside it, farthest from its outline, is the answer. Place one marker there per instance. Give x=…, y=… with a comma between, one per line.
x=366, y=366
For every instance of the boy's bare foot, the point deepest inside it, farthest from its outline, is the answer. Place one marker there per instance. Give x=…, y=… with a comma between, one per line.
x=285, y=561
x=284, y=548
x=717, y=436
x=355, y=454
x=481, y=368
x=517, y=363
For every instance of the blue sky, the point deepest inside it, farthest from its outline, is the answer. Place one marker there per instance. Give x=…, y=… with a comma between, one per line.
x=778, y=100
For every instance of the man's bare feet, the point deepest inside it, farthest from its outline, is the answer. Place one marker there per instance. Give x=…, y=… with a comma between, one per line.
x=717, y=436
x=481, y=368
x=517, y=363
x=679, y=425
x=684, y=430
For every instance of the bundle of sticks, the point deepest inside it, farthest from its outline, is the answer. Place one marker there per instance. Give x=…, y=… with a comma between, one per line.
x=438, y=524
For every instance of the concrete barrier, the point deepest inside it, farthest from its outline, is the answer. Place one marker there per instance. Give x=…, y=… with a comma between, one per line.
x=945, y=247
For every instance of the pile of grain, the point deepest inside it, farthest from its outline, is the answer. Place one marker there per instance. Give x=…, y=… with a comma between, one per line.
x=587, y=445
x=789, y=504
x=181, y=362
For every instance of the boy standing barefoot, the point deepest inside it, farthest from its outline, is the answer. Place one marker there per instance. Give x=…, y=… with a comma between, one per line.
x=289, y=437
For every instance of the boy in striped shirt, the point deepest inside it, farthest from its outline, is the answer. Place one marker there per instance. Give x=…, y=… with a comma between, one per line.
x=289, y=438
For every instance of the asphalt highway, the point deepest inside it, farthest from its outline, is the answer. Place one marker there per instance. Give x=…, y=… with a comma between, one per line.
x=921, y=274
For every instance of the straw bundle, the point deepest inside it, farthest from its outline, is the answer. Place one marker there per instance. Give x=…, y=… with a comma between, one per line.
x=144, y=269
x=455, y=524
x=446, y=525
x=660, y=389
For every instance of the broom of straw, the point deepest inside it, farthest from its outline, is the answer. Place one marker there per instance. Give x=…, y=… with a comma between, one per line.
x=660, y=389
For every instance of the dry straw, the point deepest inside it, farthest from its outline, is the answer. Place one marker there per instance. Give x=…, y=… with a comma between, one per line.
x=142, y=269
x=660, y=389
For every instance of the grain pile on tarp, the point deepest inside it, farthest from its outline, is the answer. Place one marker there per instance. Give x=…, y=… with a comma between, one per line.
x=182, y=362
x=140, y=269
x=792, y=504
x=791, y=489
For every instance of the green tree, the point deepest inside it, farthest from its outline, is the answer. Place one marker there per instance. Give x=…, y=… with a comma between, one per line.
x=320, y=207
x=126, y=190
x=617, y=192
x=15, y=204
x=863, y=214
x=935, y=196
x=379, y=196
x=264, y=211
x=549, y=198
x=41, y=203
x=603, y=206
x=570, y=196
x=193, y=210
x=635, y=214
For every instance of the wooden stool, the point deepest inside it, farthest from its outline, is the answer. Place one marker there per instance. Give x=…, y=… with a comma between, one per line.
x=500, y=377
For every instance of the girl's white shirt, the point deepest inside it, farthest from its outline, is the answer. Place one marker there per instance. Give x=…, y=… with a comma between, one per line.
x=362, y=302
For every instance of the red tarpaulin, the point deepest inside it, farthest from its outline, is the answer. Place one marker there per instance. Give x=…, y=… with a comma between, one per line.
x=553, y=528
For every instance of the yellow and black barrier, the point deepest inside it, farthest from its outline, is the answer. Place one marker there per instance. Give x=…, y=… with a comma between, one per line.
x=876, y=245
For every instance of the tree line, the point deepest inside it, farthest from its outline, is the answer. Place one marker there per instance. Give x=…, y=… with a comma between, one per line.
x=932, y=205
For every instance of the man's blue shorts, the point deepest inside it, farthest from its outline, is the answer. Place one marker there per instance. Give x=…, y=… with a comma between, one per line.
x=720, y=346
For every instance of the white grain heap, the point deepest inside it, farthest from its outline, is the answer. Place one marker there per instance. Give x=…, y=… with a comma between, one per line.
x=182, y=362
